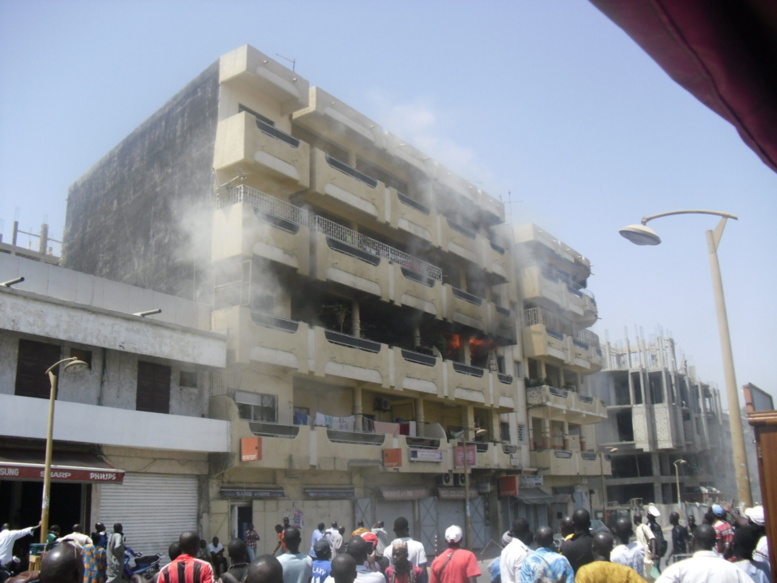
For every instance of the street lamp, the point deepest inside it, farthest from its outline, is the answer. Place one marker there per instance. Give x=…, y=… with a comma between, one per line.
x=462, y=438
x=642, y=235
x=601, y=453
x=677, y=464
x=72, y=364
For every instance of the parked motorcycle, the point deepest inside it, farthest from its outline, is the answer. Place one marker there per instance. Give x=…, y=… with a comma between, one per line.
x=140, y=565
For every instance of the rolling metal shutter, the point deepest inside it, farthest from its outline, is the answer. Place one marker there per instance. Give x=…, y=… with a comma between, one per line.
x=154, y=509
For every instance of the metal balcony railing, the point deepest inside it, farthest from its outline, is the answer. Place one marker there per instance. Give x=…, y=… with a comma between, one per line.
x=351, y=171
x=274, y=132
x=404, y=199
x=275, y=207
x=370, y=245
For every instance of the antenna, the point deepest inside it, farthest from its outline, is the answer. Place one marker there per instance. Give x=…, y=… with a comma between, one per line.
x=292, y=61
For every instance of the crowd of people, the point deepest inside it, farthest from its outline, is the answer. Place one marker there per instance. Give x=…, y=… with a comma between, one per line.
x=724, y=548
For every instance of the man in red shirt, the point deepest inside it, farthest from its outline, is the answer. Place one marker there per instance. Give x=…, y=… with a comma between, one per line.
x=186, y=568
x=455, y=565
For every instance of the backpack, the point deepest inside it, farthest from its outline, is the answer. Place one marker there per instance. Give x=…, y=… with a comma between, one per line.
x=661, y=544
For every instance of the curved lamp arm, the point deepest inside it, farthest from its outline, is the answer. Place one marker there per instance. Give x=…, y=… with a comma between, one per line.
x=688, y=212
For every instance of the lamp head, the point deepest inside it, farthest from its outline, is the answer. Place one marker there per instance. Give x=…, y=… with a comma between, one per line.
x=640, y=235
x=76, y=366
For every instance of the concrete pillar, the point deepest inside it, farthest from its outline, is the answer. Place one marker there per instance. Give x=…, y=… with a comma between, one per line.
x=355, y=319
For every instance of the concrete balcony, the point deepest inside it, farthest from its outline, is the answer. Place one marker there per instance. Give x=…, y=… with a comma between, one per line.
x=417, y=372
x=465, y=382
x=341, y=188
x=505, y=389
x=412, y=216
x=540, y=341
x=27, y=417
x=252, y=223
x=248, y=69
x=327, y=115
x=459, y=240
x=543, y=287
x=410, y=287
x=495, y=259
x=345, y=356
x=248, y=143
x=563, y=405
x=465, y=308
x=550, y=336
x=563, y=462
x=256, y=337
x=347, y=263
x=532, y=234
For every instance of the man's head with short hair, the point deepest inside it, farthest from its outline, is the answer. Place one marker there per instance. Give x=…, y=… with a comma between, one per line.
x=745, y=541
x=322, y=549
x=62, y=564
x=174, y=550
x=401, y=526
x=292, y=539
x=321, y=526
x=55, y=529
x=704, y=537
x=674, y=518
x=99, y=527
x=623, y=529
x=190, y=542
x=358, y=548
x=237, y=551
x=520, y=530
x=118, y=528
x=285, y=521
x=215, y=541
x=544, y=537
x=637, y=518
x=566, y=527
x=710, y=518
x=343, y=568
x=602, y=546
x=581, y=519
x=265, y=569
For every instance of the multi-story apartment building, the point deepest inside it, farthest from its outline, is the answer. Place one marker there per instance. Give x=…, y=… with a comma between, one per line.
x=659, y=413
x=132, y=437
x=371, y=302
x=559, y=353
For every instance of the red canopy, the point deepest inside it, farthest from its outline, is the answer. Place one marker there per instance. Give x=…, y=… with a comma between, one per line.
x=724, y=52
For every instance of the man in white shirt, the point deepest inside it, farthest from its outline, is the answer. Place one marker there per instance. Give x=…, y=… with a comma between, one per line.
x=629, y=554
x=513, y=555
x=8, y=537
x=647, y=539
x=415, y=550
x=705, y=565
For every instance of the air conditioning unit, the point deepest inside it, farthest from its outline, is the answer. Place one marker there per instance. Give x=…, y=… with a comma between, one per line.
x=446, y=480
x=458, y=480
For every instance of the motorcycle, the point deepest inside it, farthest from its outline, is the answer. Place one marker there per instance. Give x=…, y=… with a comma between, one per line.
x=136, y=564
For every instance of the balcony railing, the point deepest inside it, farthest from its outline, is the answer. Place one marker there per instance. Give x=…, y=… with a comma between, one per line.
x=463, y=230
x=468, y=370
x=264, y=203
x=350, y=171
x=419, y=358
x=267, y=429
x=374, y=247
x=274, y=132
x=274, y=322
x=467, y=297
x=352, y=341
x=404, y=199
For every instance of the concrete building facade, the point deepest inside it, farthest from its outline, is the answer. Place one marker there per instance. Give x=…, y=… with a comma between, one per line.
x=379, y=316
x=664, y=421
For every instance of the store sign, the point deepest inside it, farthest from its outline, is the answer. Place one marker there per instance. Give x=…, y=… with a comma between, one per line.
x=252, y=492
x=425, y=455
x=392, y=458
x=471, y=456
x=405, y=493
x=335, y=492
x=251, y=449
x=509, y=486
x=531, y=481
x=61, y=474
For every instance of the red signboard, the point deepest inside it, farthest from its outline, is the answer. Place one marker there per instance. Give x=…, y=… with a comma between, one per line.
x=508, y=486
x=14, y=471
x=471, y=456
x=392, y=458
x=251, y=449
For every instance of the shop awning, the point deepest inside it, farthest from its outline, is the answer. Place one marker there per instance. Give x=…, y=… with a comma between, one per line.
x=538, y=496
x=65, y=467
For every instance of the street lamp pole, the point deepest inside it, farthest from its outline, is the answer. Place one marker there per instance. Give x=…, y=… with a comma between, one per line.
x=642, y=235
x=677, y=464
x=601, y=472
x=72, y=364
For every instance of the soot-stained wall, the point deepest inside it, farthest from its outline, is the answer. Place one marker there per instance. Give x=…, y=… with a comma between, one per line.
x=141, y=215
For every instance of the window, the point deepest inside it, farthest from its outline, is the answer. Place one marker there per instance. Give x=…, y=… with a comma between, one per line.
x=256, y=407
x=33, y=361
x=187, y=379
x=153, y=392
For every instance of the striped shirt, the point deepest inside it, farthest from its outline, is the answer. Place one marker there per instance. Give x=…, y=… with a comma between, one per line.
x=186, y=569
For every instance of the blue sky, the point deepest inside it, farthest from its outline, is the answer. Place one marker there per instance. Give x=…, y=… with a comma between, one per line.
x=547, y=105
